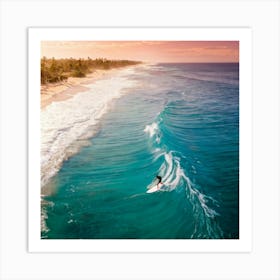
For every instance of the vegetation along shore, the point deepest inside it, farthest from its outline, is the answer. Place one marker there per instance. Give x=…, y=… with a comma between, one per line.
x=57, y=70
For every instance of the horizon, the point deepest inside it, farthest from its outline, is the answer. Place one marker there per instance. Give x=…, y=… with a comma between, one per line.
x=145, y=51
x=146, y=62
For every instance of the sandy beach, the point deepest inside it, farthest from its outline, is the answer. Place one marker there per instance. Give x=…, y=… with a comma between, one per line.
x=66, y=89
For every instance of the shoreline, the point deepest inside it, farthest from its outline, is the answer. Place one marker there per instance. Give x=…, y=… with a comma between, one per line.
x=60, y=91
x=78, y=106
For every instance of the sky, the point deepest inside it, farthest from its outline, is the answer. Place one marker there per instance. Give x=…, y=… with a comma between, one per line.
x=146, y=51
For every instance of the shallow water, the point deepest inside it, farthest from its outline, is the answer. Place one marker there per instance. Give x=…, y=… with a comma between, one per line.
x=179, y=121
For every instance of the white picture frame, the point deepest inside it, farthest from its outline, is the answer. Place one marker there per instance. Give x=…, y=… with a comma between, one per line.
x=243, y=35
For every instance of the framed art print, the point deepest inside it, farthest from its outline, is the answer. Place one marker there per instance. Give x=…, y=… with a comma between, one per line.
x=140, y=139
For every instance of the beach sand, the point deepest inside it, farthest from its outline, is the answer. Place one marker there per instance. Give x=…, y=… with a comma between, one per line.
x=63, y=90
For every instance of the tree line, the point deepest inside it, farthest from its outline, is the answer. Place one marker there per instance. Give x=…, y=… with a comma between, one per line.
x=56, y=70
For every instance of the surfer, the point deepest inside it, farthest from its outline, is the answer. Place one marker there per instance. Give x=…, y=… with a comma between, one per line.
x=159, y=184
x=155, y=186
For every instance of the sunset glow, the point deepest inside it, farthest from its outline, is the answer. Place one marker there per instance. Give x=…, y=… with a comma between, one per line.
x=146, y=51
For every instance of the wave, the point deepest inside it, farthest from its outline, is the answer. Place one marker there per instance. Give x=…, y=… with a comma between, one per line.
x=225, y=73
x=175, y=177
x=226, y=78
x=66, y=125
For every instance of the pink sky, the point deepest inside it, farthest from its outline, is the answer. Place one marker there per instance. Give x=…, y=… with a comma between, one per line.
x=146, y=51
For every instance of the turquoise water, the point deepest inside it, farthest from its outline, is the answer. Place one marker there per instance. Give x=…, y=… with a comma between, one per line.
x=180, y=121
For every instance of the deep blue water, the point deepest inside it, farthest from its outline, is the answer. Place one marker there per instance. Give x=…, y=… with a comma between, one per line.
x=181, y=121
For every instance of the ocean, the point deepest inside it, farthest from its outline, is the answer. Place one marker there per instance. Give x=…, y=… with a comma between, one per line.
x=179, y=121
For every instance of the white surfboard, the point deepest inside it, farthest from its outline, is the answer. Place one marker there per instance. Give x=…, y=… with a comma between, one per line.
x=154, y=188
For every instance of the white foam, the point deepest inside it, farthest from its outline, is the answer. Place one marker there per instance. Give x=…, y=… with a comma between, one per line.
x=173, y=174
x=169, y=163
x=151, y=129
x=202, y=198
x=65, y=122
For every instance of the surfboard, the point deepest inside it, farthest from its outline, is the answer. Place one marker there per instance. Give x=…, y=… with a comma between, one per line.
x=154, y=188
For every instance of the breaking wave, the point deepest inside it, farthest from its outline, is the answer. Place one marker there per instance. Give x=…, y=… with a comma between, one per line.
x=175, y=177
